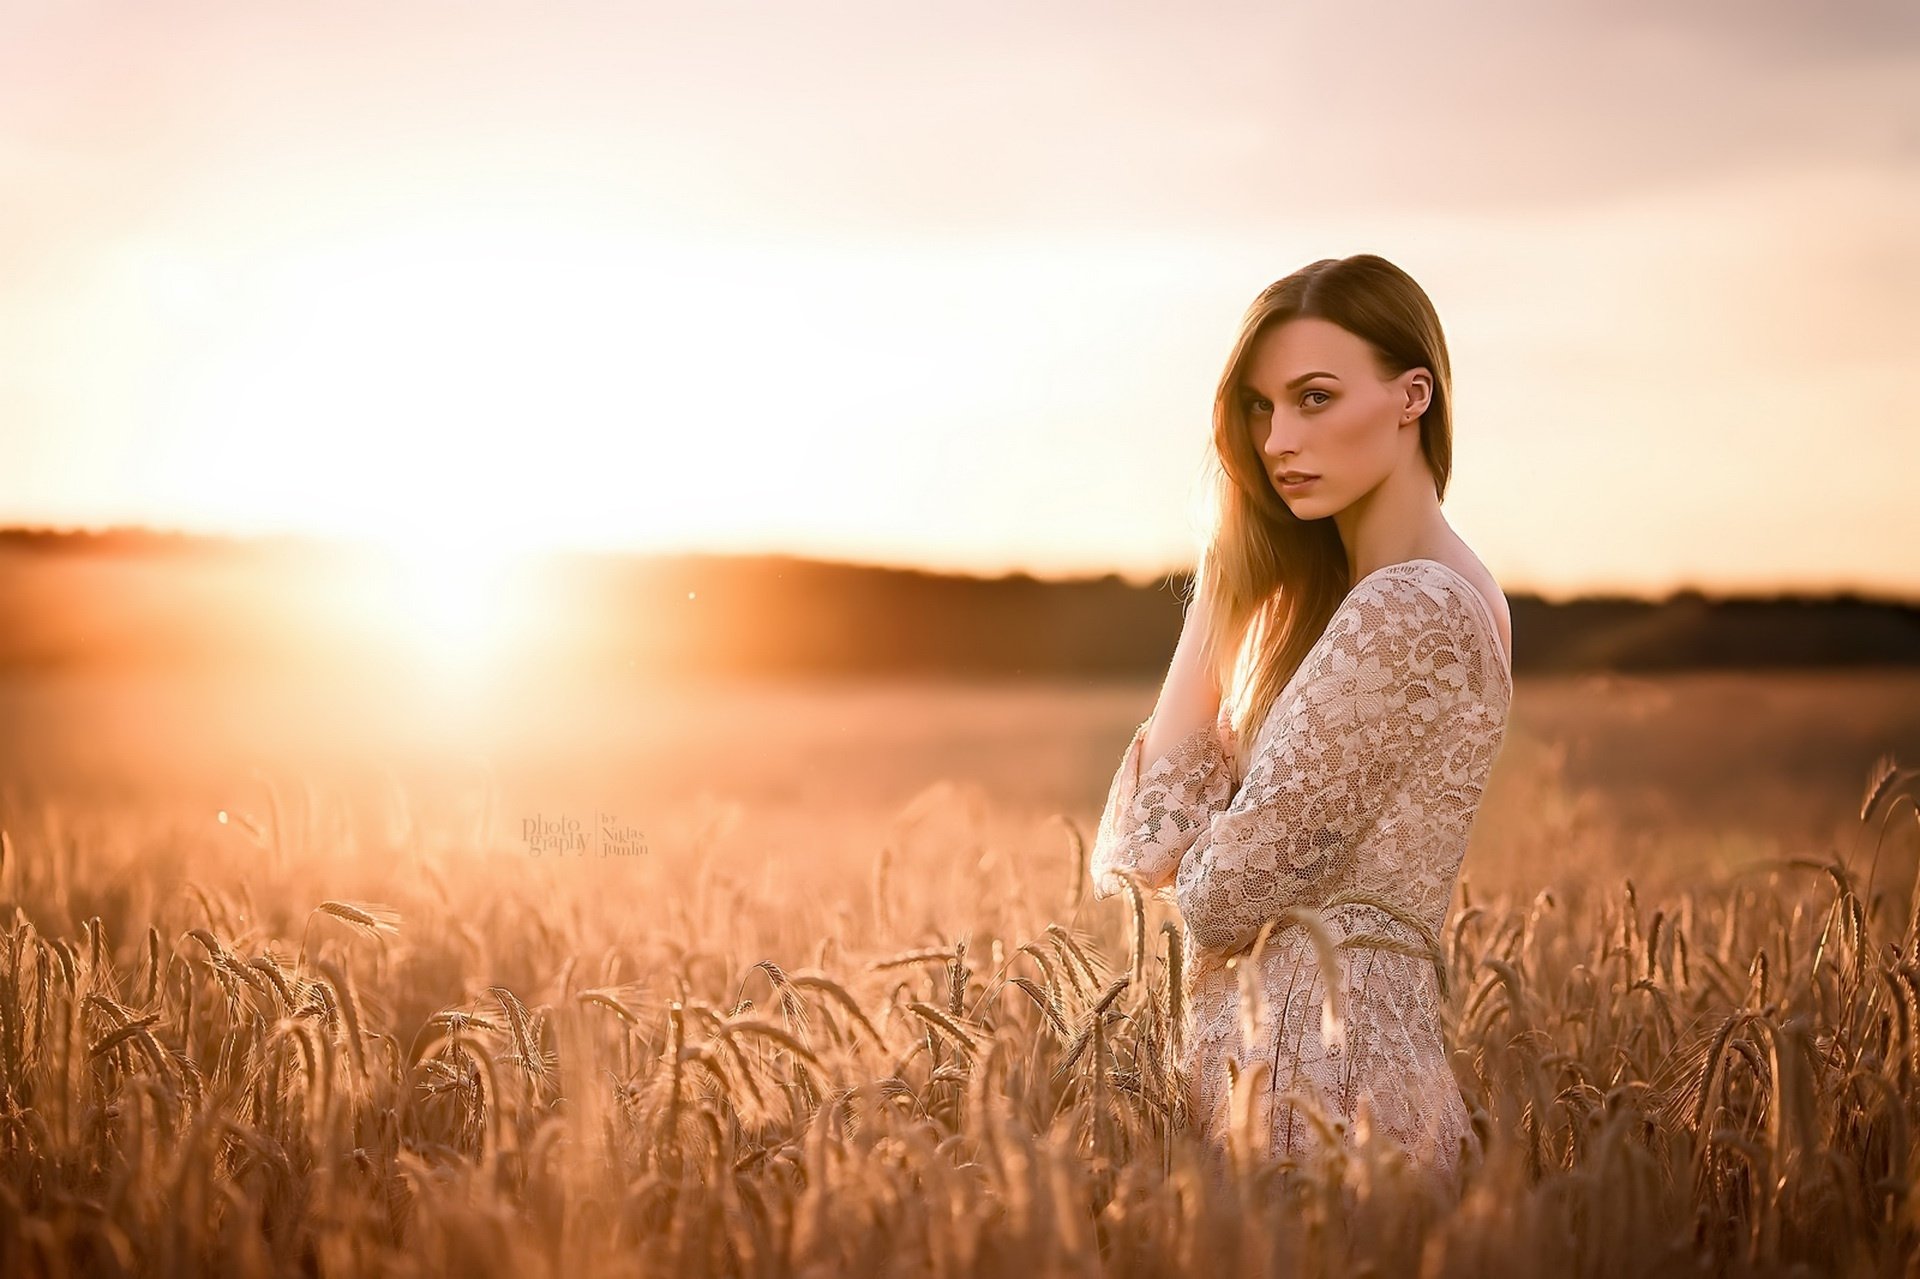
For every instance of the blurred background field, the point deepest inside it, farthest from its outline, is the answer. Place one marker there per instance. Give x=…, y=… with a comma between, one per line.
x=786, y=720
x=778, y=695
x=1661, y=775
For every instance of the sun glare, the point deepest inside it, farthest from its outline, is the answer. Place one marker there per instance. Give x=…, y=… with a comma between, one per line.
x=523, y=388
x=566, y=384
x=451, y=607
x=435, y=619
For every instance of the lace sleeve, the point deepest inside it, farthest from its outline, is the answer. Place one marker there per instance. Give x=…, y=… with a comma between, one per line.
x=1383, y=677
x=1152, y=816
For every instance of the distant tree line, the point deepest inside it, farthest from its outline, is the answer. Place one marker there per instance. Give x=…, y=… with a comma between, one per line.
x=715, y=614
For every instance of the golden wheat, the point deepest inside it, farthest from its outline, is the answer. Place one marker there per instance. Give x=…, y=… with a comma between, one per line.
x=1718, y=1078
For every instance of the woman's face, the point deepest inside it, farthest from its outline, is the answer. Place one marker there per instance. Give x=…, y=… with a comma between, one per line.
x=1314, y=403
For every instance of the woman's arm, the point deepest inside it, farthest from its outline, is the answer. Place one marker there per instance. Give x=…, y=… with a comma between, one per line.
x=1174, y=774
x=1189, y=696
x=1389, y=677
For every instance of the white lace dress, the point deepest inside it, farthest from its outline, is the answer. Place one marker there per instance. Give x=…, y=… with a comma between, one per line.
x=1354, y=800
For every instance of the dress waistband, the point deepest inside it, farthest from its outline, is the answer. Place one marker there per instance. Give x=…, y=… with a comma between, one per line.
x=1427, y=947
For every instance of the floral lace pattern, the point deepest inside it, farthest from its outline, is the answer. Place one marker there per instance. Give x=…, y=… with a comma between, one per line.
x=1359, y=792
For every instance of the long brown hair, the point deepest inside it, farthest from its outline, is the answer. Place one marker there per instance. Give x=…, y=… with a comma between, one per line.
x=1273, y=580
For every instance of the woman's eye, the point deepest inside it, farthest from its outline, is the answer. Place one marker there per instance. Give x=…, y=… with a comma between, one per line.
x=1255, y=401
x=1320, y=393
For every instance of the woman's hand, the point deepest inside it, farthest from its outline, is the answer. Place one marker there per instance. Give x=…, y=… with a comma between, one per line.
x=1190, y=696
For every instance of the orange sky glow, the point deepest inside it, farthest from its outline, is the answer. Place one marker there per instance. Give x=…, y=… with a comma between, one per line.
x=951, y=286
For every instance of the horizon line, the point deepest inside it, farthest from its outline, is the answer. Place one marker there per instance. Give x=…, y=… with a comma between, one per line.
x=1139, y=579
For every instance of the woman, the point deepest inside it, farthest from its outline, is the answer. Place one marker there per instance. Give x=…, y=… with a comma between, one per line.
x=1370, y=651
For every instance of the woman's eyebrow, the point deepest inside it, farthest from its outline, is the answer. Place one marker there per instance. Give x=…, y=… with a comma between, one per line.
x=1304, y=377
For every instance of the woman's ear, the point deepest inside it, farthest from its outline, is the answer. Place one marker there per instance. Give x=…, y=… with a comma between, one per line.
x=1419, y=392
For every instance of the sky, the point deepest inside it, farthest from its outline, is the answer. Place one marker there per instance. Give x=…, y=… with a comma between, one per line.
x=951, y=285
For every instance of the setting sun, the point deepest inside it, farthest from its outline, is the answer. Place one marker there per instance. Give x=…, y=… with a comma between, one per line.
x=450, y=607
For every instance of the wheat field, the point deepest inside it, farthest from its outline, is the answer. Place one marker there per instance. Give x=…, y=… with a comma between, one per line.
x=297, y=985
